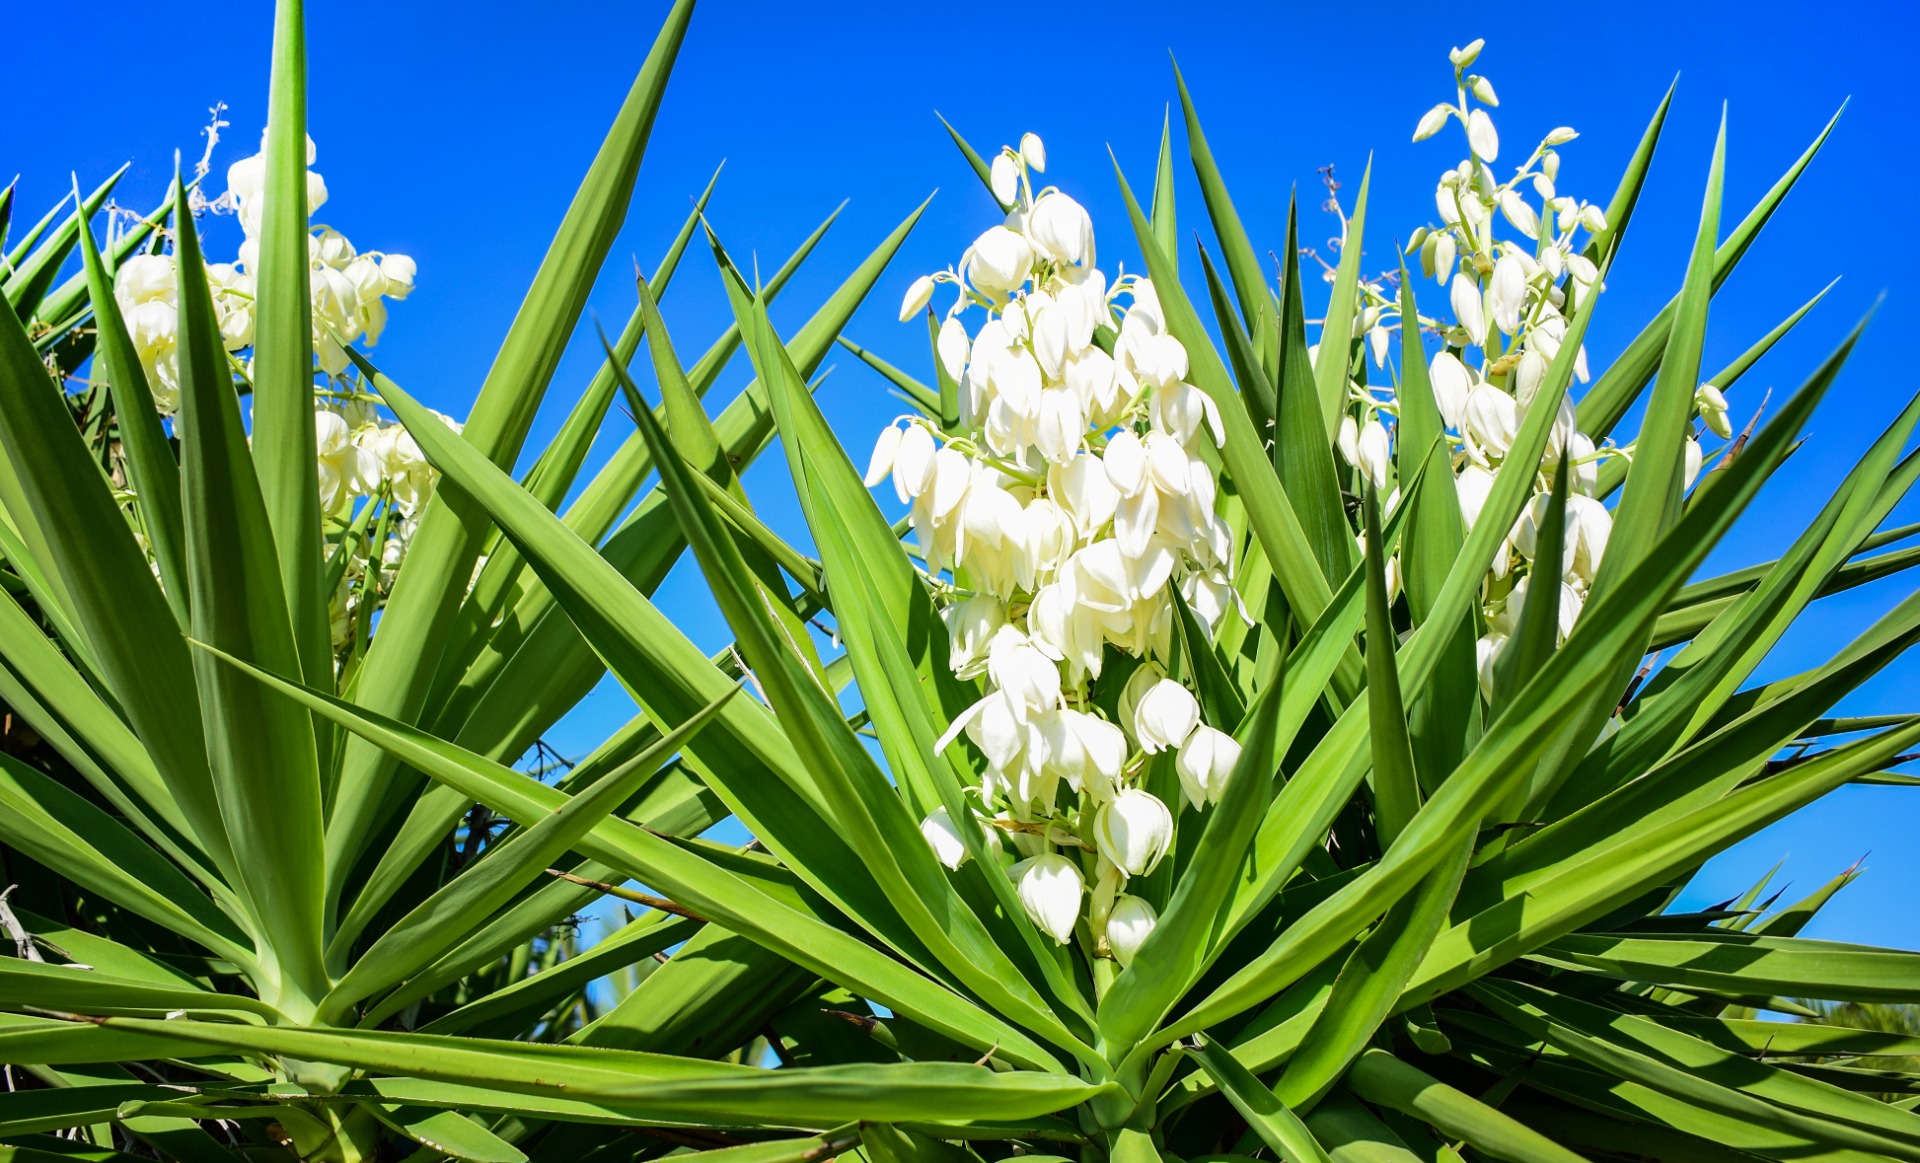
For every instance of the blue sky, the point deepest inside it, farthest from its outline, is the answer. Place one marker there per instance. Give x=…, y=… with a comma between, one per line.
x=460, y=141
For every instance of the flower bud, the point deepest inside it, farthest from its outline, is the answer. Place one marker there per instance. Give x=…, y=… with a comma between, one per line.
x=919, y=294
x=1515, y=209
x=1593, y=218
x=1205, y=764
x=1693, y=460
x=1050, y=888
x=1711, y=403
x=1482, y=137
x=1464, y=57
x=1483, y=90
x=1451, y=383
x=1165, y=716
x=913, y=462
x=943, y=835
x=1347, y=439
x=1128, y=924
x=1373, y=456
x=1432, y=122
x=1467, y=308
x=1125, y=460
x=1562, y=135
x=1133, y=831
x=1472, y=486
x=1004, y=179
x=1487, y=654
x=1033, y=152
x=1507, y=292
x=881, y=463
x=1444, y=253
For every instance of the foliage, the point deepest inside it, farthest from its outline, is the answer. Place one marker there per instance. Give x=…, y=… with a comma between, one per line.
x=283, y=890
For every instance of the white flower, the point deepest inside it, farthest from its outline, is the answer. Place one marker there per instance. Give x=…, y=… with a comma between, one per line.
x=880, y=464
x=1062, y=423
x=1049, y=541
x=1063, y=628
x=154, y=327
x=399, y=271
x=1528, y=375
x=919, y=294
x=1377, y=340
x=1693, y=460
x=1451, y=383
x=346, y=469
x=1089, y=752
x=1165, y=716
x=1712, y=406
x=1465, y=297
x=1211, y=594
x=1487, y=655
x=1050, y=888
x=1084, y=488
x=1205, y=763
x=1004, y=178
x=1515, y=209
x=1373, y=457
x=1347, y=439
x=143, y=278
x=1482, y=137
x=1590, y=524
x=1133, y=831
x=1060, y=229
x=1021, y=672
x=912, y=460
x=1432, y=122
x=410, y=478
x=971, y=626
x=1179, y=410
x=998, y=262
x=943, y=836
x=1128, y=924
x=952, y=347
x=1472, y=487
x=1444, y=253
x=1507, y=292
x=1493, y=419
x=1033, y=152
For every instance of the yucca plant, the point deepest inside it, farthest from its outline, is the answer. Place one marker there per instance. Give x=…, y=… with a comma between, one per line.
x=1290, y=818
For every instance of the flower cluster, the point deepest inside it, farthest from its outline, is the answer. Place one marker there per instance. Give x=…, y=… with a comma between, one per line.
x=361, y=456
x=1511, y=299
x=348, y=289
x=1065, y=504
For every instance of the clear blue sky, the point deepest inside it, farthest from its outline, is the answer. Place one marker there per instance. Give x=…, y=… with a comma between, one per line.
x=459, y=140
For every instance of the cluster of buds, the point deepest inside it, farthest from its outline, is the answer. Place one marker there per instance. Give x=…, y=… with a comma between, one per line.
x=1053, y=519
